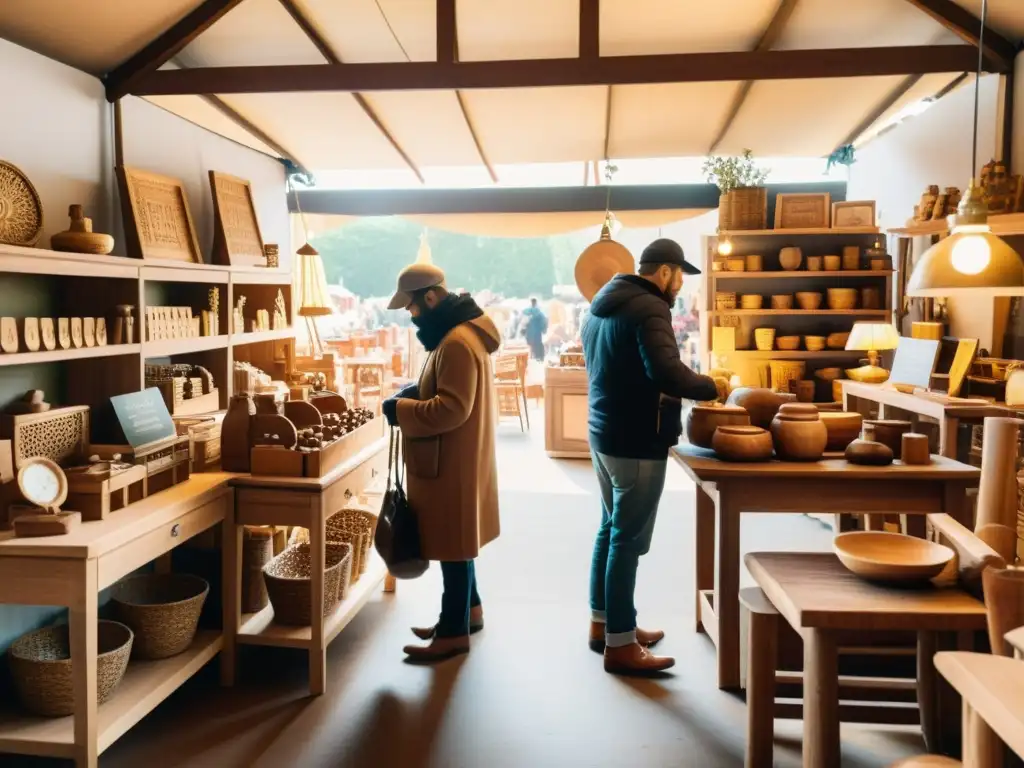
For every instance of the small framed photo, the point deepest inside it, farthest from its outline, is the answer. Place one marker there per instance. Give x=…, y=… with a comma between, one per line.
x=802, y=211
x=856, y=213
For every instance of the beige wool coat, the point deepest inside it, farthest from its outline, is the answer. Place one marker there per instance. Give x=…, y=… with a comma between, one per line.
x=448, y=437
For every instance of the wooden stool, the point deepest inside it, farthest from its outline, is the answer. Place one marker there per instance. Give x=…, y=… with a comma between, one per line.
x=762, y=646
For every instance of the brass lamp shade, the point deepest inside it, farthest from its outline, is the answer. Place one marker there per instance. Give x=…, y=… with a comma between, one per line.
x=948, y=267
x=600, y=262
x=313, y=298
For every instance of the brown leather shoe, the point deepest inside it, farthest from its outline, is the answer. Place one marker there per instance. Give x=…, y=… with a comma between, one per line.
x=646, y=637
x=634, y=659
x=476, y=623
x=440, y=648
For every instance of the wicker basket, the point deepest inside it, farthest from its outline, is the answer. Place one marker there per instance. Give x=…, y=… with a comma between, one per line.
x=743, y=208
x=41, y=667
x=359, y=523
x=751, y=301
x=162, y=610
x=725, y=300
x=784, y=371
x=288, y=582
x=842, y=298
x=764, y=339
x=257, y=551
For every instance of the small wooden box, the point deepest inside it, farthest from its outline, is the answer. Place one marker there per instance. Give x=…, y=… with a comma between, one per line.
x=206, y=454
x=168, y=456
x=96, y=498
x=275, y=460
x=322, y=462
x=56, y=434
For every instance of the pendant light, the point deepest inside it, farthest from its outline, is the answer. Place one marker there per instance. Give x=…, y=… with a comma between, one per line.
x=971, y=260
x=424, y=255
x=602, y=260
x=313, y=300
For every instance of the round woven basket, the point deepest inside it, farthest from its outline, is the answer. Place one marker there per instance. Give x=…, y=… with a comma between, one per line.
x=41, y=667
x=764, y=339
x=288, y=582
x=356, y=522
x=162, y=610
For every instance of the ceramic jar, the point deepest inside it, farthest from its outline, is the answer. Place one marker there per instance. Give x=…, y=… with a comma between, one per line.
x=760, y=404
x=703, y=420
x=798, y=432
x=842, y=428
x=754, y=262
x=790, y=258
x=742, y=443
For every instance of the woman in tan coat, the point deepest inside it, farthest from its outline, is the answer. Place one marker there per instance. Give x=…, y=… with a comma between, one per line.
x=447, y=421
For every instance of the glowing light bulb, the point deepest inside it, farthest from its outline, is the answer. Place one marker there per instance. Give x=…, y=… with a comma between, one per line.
x=614, y=225
x=971, y=254
x=725, y=247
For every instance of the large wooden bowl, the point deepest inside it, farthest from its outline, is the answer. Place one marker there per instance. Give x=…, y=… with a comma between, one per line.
x=890, y=557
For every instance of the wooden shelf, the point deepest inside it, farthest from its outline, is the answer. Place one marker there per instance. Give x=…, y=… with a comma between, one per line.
x=145, y=685
x=802, y=312
x=40, y=261
x=780, y=274
x=170, y=347
x=182, y=272
x=260, y=629
x=258, y=336
x=60, y=355
x=258, y=276
x=734, y=233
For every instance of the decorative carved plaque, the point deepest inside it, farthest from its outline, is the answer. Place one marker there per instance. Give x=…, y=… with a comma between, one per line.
x=157, y=221
x=236, y=232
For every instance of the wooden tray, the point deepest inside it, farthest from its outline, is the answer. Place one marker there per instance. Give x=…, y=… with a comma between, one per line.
x=320, y=463
x=276, y=461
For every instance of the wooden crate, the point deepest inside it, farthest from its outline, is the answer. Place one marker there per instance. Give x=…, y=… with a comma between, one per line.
x=320, y=463
x=96, y=499
x=275, y=460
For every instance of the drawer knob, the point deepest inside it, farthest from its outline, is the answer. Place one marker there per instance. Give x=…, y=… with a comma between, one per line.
x=348, y=494
x=175, y=530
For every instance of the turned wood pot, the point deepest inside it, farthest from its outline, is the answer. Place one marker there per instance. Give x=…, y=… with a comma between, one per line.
x=890, y=432
x=703, y=420
x=868, y=452
x=842, y=427
x=798, y=432
x=790, y=258
x=760, y=404
x=742, y=443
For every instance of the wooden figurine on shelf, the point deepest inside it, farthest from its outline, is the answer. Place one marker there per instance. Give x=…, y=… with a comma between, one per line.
x=64, y=332
x=1002, y=191
x=214, y=312
x=271, y=252
x=47, y=333
x=32, y=334
x=124, y=325
x=927, y=205
x=280, y=312
x=76, y=332
x=33, y=401
x=89, y=331
x=8, y=335
x=101, y=331
x=238, y=316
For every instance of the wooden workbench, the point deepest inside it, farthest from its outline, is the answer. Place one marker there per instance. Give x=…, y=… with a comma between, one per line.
x=726, y=490
x=305, y=502
x=70, y=571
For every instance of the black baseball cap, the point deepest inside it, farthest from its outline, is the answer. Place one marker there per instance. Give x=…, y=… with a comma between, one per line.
x=665, y=251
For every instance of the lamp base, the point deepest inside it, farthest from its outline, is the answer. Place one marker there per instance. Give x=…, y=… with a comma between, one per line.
x=868, y=374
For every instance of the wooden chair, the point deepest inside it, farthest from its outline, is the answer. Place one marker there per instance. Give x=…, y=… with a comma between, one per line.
x=508, y=384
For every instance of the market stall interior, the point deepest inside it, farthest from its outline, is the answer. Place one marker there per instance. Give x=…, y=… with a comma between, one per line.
x=190, y=470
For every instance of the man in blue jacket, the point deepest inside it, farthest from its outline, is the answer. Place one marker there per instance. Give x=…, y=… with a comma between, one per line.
x=636, y=382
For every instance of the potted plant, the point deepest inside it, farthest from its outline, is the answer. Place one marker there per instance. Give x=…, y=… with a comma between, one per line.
x=743, y=199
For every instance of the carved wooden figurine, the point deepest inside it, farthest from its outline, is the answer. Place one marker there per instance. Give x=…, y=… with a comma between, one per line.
x=64, y=332
x=8, y=335
x=48, y=333
x=32, y=334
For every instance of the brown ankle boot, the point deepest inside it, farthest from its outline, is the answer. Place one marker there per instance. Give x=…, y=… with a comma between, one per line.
x=439, y=649
x=634, y=659
x=476, y=623
x=646, y=637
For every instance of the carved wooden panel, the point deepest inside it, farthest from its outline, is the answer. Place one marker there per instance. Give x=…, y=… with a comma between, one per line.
x=236, y=231
x=57, y=434
x=157, y=220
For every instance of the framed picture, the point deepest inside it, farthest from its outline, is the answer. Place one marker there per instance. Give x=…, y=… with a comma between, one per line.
x=802, y=211
x=855, y=213
x=157, y=221
x=236, y=231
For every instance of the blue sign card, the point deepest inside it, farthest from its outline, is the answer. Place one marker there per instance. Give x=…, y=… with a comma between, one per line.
x=144, y=417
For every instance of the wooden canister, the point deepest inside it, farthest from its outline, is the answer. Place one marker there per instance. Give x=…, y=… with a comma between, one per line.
x=870, y=298
x=754, y=262
x=914, y=448
x=851, y=257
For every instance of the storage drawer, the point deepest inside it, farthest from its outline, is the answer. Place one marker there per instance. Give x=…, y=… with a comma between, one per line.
x=151, y=545
x=356, y=481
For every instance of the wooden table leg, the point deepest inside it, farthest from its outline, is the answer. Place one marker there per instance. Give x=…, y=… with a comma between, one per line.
x=821, y=700
x=927, y=690
x=231, y=574
x=318, y=556
x=982, y=747
x=949, y=426
x=704, y=554
x=954, y=503
x=727, y=592
x=762, y=646
x=389, y=583
x=83, y=619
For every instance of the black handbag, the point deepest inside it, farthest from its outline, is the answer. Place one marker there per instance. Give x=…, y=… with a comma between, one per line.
x=398, y=533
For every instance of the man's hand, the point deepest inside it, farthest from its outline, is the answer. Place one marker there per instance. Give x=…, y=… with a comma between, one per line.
x=390, y=410
x=408, y=392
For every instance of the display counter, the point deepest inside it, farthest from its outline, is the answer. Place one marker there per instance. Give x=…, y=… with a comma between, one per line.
x=566, y=412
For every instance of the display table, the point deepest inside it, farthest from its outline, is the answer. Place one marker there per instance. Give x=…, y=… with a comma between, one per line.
x=70, y=571
x=305, y=502
x=820, y=598
x=566, y=410
x=948, y=415
x=726, y=490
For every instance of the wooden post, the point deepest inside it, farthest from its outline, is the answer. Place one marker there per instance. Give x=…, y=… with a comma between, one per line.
x=727, y=587
x=821, y=700
x=83, y=622
x=231, y=567
x=704, y=545
x=318, y=513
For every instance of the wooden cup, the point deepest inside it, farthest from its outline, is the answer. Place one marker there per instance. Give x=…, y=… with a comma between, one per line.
x=754, y=263
x=1004, y=599
x=914, y=448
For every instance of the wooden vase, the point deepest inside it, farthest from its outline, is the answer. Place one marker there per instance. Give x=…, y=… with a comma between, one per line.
x=234, y=434
x=798, y=433
x=914, y=448
x=742, y=443
x=1004, y=601
x=80, y=238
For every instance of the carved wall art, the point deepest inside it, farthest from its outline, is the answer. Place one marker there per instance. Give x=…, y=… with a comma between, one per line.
x=21, y=211
x=157, y=221
x=236, y=231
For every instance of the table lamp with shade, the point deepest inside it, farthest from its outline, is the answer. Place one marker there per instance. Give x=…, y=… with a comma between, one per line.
x=871, y=338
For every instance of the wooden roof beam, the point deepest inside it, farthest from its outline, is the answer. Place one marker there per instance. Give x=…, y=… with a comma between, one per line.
x=333, y=60
x=536, y=73
x=768, y=39
x=967, y=26
x=121, y=79
x=590, y=29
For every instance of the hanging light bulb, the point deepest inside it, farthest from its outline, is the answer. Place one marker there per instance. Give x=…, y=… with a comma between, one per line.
x=724, y=246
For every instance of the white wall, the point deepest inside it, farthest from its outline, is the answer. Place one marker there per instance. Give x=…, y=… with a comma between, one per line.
x=931, y=148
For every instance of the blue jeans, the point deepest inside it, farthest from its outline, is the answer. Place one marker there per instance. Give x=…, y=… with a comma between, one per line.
x=459, y=596
x=630, y=491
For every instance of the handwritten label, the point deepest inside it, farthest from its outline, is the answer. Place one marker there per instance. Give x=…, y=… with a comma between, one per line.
x=143, y=416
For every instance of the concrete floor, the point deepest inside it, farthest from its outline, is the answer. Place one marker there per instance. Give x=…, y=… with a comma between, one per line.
x=530, y=693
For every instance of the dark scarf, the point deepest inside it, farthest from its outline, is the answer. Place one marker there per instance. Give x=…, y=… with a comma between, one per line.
x=434, y=324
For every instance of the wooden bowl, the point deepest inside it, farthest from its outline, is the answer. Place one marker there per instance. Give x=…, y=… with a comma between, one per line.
x=787, y=343
x=703, y=420
x=751, y=301
x=782, y=301
x=828, y=374
x=808, y=300
x=814, y=343
x=843, y=428
x=832, y=262
x=889, y=557
x=742, y=443
x=842, y=298
x=837, y=340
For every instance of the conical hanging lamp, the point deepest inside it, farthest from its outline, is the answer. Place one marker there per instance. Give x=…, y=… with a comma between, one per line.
x=313, y=300
x=602, y=260
x=971, y=260
x=423, y=255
